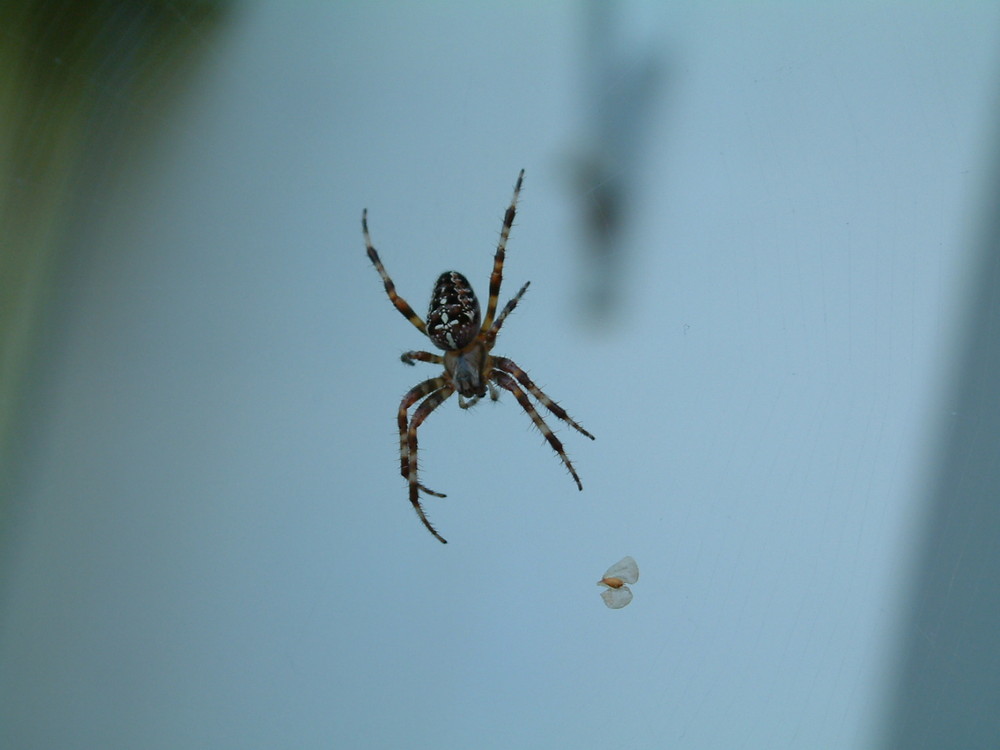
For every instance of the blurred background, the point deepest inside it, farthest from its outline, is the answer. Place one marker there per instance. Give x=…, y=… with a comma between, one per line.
x=764, y=254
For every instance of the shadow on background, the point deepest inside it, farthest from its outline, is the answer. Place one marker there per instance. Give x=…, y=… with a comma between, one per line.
x=947, y=693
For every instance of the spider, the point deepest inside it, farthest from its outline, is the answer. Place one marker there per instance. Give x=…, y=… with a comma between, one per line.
x=453, y=326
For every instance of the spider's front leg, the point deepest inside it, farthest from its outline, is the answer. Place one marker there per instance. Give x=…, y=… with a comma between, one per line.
x=508, y=366
x=413, y=395
x=428, y=405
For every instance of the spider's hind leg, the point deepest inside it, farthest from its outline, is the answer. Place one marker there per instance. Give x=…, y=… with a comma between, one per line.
x=496, y=278
x=491, y=334
x=390, y=288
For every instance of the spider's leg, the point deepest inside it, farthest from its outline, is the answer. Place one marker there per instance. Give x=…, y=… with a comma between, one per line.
x=508, y=366
x=497, y=276
x=491, y=334
x=413, y=395
x=411, y=358
x=506, y=381
x=423, y=411
x=401, y=304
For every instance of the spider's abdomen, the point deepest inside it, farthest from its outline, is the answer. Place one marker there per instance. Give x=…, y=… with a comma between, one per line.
x=453, y=318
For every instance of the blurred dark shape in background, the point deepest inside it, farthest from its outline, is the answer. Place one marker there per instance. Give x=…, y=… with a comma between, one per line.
x=947, y=683
x=83, y=88
x=620, y=89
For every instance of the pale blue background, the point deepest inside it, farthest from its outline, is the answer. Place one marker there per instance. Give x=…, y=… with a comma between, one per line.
x=215, y=548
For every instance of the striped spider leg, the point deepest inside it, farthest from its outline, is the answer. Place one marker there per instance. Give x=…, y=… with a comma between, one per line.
x=454, y=326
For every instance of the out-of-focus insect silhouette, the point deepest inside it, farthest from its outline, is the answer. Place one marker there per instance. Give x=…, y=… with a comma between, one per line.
x=616, y=594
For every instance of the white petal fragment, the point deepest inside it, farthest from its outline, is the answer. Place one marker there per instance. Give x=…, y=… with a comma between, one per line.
x=616, y=594
x=617, y=598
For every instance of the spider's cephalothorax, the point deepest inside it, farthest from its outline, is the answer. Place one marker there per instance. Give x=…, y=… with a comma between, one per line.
x=453, y=325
